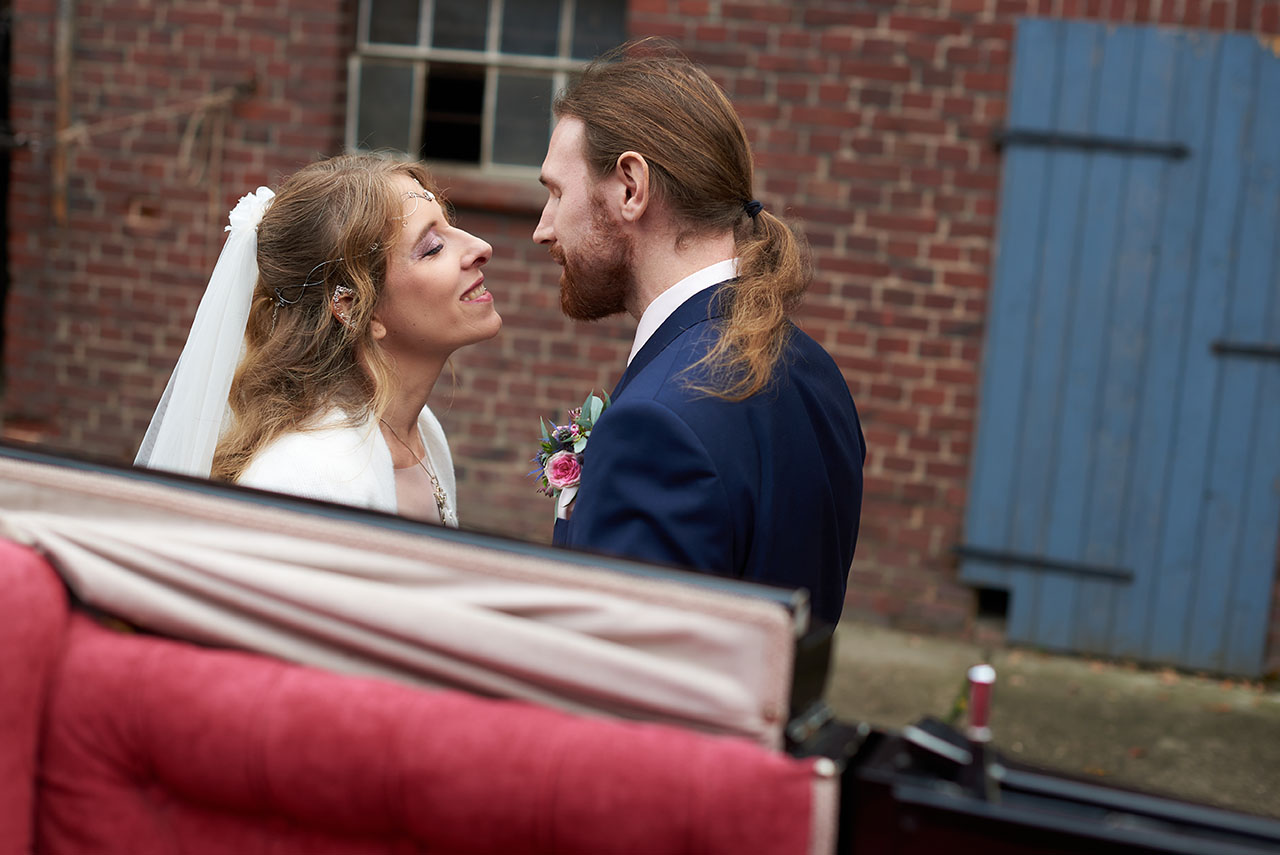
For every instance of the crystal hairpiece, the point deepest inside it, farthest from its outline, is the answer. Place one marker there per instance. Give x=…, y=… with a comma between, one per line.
x=420, y=193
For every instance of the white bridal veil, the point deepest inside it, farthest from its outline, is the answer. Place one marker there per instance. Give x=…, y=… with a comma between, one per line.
x=191, y=414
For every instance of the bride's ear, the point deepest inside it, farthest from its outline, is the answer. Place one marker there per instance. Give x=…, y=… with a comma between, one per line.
x=340, y=304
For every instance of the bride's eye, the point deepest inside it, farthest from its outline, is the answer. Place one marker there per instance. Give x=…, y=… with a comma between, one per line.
x=431, y=248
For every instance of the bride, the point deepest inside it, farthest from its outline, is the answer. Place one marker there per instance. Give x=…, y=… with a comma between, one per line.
x=327, y=321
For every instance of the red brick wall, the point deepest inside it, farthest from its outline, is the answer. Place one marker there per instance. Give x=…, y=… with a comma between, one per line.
x=870, y=121
x=99, y=306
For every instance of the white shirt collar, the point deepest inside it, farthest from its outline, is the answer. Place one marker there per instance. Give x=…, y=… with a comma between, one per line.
x=675, y=296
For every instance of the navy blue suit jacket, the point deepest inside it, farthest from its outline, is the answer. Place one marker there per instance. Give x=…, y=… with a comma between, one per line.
x=768, y=489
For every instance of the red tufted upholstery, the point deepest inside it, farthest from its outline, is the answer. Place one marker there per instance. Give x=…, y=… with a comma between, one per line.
x=33, y=621
x=152, y=745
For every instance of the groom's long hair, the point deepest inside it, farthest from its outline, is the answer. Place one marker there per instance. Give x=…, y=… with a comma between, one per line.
x=648, y=98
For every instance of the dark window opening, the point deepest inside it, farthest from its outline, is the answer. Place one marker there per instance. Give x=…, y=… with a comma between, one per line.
x=451, y=129
x=993, y=603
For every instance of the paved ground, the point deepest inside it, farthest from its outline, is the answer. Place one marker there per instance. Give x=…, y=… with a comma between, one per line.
x=1212, y=741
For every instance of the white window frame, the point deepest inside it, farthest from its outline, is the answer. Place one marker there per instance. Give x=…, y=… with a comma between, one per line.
x=491, y=58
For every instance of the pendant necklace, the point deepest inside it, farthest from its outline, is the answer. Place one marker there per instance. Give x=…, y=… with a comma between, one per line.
x=442, y=500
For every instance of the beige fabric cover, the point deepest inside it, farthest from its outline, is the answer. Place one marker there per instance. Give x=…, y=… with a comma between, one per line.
x=424, y=608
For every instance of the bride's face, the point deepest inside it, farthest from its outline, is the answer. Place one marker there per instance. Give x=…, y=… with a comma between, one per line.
x=435, y=299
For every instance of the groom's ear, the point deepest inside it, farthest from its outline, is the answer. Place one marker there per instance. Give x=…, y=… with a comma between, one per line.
x=632, y=172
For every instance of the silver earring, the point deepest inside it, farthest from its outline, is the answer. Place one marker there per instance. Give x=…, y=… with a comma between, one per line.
x=339, y=292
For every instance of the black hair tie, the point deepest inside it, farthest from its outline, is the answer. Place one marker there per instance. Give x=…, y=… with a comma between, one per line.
x=752, y=208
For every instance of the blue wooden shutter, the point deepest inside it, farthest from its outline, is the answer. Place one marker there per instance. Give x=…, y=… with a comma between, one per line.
x=1126, y=483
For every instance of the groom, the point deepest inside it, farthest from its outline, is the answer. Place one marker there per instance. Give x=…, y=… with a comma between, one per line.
x=732, y=445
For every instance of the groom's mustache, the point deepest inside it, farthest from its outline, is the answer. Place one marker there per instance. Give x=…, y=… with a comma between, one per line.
x=557, y=254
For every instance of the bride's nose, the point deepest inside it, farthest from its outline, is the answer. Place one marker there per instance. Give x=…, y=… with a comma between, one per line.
x=478, y=252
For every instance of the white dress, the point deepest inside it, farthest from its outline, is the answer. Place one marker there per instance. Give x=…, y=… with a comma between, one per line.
x=350, y=465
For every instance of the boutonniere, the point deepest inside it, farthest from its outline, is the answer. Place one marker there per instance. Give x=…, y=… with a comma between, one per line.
x=559, y=456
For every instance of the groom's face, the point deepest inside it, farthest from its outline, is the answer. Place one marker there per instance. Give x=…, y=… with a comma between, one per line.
x=580, y=232
x=597, y=273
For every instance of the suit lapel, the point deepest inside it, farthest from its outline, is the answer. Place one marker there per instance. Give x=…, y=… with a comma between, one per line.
x=699, y=308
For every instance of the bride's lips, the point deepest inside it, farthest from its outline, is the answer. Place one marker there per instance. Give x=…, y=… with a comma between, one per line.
x=477, y=293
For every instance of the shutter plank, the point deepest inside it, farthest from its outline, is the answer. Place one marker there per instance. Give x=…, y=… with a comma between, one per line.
x=1045, y=618
x=1230, y=591
x=1128, y=466
x=1195, y=417
x=1089, y=487
x=988, y=510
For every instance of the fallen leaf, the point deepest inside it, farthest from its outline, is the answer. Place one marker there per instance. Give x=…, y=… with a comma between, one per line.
x=1095, y=770
x=1137, y=752
x=1219, y=708
x=1169, y=677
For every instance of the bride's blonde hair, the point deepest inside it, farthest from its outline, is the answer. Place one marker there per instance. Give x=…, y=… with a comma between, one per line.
x=331, y=224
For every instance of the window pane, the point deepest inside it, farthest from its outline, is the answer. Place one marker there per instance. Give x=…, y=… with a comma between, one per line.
x=522, y=125
x=531, y=27
x=455, y=103
x=460, y=24
x=393, y=22
x=386, y=94
x=597, y=26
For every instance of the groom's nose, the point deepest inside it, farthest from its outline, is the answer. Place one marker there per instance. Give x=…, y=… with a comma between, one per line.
x=544, y=233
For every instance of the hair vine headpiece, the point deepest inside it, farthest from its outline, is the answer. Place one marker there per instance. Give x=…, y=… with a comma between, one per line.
x=281, y=300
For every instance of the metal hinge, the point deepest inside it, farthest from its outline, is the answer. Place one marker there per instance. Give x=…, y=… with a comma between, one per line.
x=1088, y=142
x=1026, y=561
x=1246, y=349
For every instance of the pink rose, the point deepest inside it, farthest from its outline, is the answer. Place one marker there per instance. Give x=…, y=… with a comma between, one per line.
x=563, y=470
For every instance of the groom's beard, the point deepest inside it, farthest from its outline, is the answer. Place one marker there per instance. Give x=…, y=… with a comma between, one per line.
x=597, y=278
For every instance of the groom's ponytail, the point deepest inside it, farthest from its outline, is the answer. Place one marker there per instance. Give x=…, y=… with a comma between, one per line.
x=647, y=98
x=773, y=275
